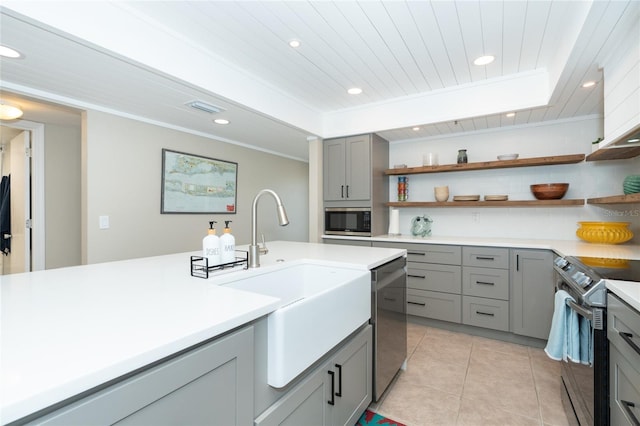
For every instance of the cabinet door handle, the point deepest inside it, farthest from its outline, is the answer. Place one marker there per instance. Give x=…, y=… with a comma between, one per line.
x=332, y=401
x=485, y=283
x=488, y=314
x=339, y=393
x=627, y=338
x=341, y=191
x=417, y=253
x=517, y=262
x=485, y=258
x=347, y=191
x=416, y=303
x=626, y=406
x=390, y=299
x=417, y=276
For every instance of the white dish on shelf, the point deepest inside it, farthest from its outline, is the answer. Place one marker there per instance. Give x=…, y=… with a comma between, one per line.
x=504, y=157
x=466, y=198
x=496, y=197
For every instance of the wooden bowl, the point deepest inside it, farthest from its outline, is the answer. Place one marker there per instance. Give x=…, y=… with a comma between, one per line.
x=549, y=191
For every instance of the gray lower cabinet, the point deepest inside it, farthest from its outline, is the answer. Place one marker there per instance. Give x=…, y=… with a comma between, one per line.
x=485, y=287
x=623, y=332
x=336, y=393
x=434, y=280
x=532, y=292
x=211, y=384
x=347, y=242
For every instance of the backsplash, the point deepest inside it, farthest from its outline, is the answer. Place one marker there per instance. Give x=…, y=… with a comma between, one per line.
x=586, y=179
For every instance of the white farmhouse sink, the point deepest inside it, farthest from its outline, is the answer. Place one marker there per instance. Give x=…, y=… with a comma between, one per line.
x=320, y=306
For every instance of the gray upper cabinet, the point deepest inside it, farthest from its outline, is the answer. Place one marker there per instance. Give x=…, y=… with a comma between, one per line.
x=347, y=168
x=211, y=384
x=532, y=292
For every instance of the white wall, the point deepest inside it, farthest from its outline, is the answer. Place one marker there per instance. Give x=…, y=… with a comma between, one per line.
x=586, y=179
x=122, y=178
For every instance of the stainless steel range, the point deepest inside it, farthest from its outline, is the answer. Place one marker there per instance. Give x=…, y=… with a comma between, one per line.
x=585, y=389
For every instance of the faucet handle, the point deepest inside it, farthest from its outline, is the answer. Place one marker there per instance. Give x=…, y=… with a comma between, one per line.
x=263, y=249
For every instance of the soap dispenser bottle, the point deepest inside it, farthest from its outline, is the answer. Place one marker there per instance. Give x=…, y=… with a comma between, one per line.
x=227, y=244
x=211, y=246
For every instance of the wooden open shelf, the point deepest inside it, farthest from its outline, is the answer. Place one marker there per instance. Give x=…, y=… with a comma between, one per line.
x=616, y=199
x=485, y=165
x=515, y=203
x=614, y=153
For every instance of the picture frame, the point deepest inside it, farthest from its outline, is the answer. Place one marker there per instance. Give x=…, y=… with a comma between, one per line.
x=195, y=184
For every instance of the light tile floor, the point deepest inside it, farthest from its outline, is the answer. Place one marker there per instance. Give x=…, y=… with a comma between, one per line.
x=458, y=379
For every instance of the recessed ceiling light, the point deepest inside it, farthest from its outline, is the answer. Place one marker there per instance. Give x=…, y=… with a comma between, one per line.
x=511, y=114
x=415, y=129
x=484, y=60
x=354, y=91
x=588, y=84
x=294, y=43
x=8, y=52
x=221, y=121
x=9, y=112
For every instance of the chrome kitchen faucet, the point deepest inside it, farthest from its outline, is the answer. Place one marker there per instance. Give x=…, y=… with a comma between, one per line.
x=283, y=220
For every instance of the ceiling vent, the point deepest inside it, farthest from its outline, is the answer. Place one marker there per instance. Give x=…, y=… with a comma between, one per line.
x=203, y=106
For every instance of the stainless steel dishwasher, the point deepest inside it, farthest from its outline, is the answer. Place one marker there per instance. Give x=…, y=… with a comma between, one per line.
x=389, y=319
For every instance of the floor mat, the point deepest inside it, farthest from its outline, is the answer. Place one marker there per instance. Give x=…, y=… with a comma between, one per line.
x=369, y=418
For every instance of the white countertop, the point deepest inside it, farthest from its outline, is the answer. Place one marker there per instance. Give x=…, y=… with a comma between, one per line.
x=68, y=330
x=628, y=291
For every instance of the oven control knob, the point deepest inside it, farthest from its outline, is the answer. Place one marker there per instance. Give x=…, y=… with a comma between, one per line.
x=561, y=262
x=577, y=276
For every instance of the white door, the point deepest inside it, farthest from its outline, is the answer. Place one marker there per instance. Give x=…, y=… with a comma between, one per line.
x=19, y=260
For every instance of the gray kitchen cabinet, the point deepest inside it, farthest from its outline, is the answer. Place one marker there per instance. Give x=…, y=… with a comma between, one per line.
x=211, y=384
x=623, y=332
x=532, y=292
x=434, y=280
x=347, y=168
x=485, y=289
x=347, y=242
x=335, y=393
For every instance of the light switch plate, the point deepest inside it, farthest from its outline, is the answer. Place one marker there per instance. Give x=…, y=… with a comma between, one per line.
x=103, y=222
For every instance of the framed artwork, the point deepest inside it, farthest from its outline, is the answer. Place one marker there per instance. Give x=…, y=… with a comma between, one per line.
x=196, y=184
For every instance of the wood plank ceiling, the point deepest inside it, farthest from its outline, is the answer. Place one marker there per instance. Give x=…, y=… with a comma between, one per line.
x=393, y=50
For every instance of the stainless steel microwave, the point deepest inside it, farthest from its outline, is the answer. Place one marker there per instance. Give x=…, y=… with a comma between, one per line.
x=347, y=221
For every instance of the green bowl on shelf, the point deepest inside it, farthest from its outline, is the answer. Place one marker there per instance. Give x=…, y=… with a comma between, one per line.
x=631, y=184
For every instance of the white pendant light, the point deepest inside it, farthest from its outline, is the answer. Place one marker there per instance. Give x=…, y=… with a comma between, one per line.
x=9, y=112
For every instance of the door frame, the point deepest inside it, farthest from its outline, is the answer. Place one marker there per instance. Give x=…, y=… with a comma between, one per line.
x=38, y=252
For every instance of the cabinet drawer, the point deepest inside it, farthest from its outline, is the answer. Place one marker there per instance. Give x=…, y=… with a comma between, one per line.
x=487, y=313
x=485, y=282
x=427, y=253
x=485, y=257
x=433, y=304
x=623, y=328
x=434, y=277
x=624, y=400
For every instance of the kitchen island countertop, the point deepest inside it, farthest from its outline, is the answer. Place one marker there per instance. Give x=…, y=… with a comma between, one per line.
x=67, y=330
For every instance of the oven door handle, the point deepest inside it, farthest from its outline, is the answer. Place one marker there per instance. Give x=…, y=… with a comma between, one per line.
x=588, y=314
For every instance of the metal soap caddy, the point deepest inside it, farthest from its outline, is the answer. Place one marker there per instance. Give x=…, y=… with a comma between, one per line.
x=200, y=265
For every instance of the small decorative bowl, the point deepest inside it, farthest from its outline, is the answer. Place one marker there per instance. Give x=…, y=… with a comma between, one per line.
x=507, y=157
x=604, y=232
x=549, y=191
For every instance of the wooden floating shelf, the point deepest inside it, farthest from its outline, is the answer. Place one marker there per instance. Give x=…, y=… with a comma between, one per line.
x=515, y=203
x=486, y=165
x=616, y=199
x=614, y=153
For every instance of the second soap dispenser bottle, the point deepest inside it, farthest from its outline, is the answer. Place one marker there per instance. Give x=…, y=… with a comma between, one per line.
x=227, y=244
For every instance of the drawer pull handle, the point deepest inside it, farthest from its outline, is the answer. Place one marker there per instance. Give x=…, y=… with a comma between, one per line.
x=417, y=276
x=339, y=367
x=485, y=258
x=390, y=299
x=626, y=406
x=416, y=303
x=485, y=283
x=627, y=338
x=332, y=401
x=417, y=253
x=488, y=314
